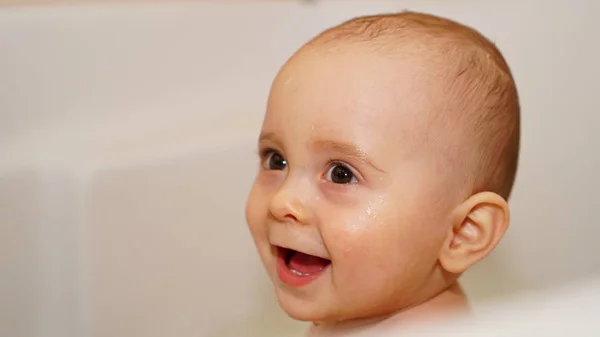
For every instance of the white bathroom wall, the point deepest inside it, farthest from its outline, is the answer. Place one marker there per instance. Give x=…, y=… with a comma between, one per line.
x=127, y=137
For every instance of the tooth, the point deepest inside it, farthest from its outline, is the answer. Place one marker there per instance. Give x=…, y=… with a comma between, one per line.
x=295, y=272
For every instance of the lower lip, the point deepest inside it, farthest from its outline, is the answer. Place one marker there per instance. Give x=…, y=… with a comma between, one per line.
x=291, y=279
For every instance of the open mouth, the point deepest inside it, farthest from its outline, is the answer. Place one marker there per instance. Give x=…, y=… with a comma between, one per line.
x=297, y=268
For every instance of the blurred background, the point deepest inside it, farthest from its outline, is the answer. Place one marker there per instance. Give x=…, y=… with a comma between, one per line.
x=127, y=149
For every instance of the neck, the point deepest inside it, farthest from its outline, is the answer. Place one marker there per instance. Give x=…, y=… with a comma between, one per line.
x=451, y=301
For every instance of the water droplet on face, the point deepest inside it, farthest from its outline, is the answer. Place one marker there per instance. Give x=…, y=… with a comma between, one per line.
x=364, y=219
x=371, y=212
x=288, y=80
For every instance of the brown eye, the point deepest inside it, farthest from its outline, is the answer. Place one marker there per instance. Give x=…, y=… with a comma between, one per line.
x=275, y=161
x=340, y=174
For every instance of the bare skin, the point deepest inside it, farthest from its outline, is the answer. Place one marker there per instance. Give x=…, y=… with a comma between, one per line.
x=350, y=174
x=451, y=301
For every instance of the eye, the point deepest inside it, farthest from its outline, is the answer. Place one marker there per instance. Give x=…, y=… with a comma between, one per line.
x=340, y=174
x=274, y=161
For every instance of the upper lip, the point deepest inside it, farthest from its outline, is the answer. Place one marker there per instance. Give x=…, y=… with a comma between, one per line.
x=307, y=252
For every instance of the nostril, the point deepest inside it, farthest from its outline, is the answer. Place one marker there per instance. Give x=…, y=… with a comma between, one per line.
x=291, y=217
x=288, y=209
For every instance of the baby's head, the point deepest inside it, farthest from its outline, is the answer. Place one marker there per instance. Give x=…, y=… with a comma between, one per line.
x=388, y=151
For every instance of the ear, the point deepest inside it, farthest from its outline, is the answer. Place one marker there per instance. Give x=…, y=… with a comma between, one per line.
x=478, y=226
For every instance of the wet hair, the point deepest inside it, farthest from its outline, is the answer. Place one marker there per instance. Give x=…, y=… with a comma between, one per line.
x=478, y=84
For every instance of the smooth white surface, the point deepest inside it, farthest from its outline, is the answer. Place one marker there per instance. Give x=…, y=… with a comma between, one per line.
x=127, y=149
x=571, y=310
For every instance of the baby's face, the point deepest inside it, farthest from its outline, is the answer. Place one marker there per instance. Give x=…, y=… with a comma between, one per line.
x=348, y=210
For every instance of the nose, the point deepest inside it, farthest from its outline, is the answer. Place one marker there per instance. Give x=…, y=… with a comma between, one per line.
x=290, y=202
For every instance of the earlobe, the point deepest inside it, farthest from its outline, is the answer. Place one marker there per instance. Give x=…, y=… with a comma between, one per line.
x=478, y=226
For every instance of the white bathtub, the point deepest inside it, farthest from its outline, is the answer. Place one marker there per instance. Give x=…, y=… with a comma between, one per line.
x=127, y=140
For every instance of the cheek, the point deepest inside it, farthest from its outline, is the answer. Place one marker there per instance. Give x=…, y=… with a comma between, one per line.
x=355, y=235
x=257, y=206
x=368, y=266
x=265, y=185
x=381, y=244
x=257, y=219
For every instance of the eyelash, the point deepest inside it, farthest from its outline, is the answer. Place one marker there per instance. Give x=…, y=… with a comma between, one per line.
x=335, y=162
x=263, y=153
x=266, y=152
x=332, y=163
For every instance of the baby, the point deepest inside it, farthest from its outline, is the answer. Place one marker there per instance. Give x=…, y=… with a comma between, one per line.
x=388, y=152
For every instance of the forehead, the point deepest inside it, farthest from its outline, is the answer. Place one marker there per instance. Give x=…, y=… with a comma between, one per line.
x=352, y=95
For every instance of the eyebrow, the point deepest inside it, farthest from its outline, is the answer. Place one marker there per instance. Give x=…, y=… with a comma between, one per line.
x=266, y=136
x=347, y=149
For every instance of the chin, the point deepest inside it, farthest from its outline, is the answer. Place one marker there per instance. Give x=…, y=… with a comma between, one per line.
x=302, y=309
